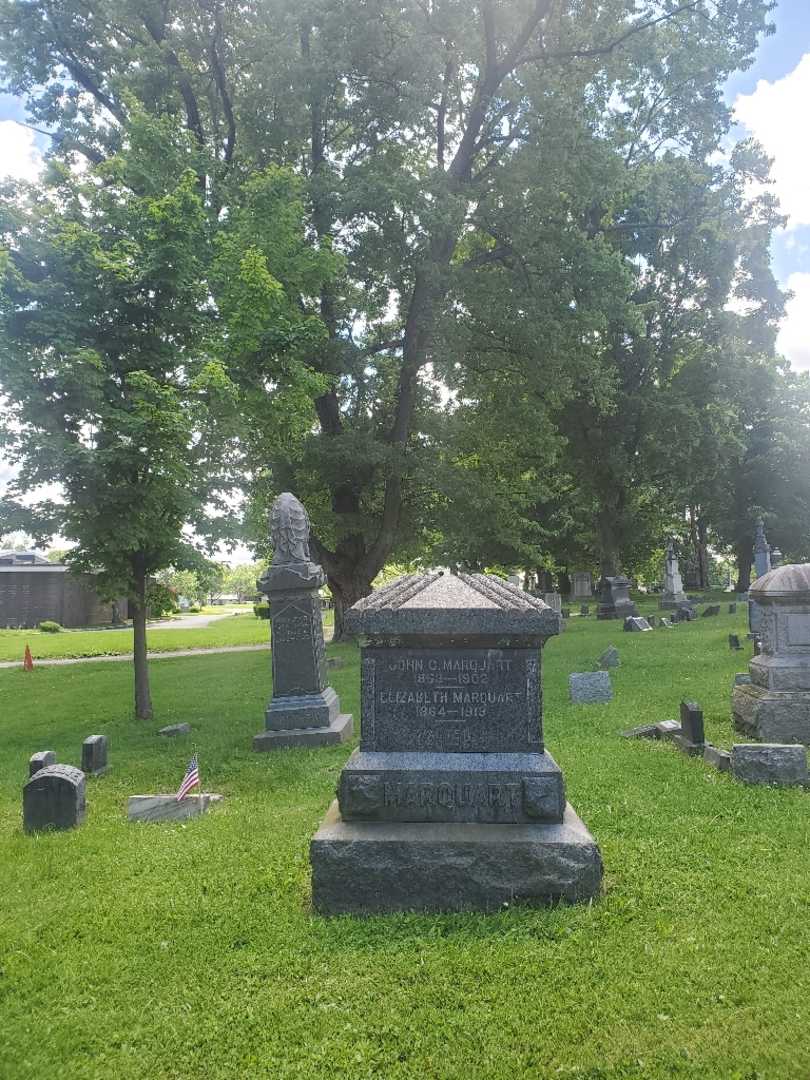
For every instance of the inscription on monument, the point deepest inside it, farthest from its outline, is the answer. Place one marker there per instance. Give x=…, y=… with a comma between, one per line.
x=798, y=627
x=444, y=700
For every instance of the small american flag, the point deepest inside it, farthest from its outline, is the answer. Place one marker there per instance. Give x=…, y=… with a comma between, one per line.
x=191, y=779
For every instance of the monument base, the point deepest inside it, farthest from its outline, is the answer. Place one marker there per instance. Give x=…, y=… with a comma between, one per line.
x=371, y=868
x=669, y=602
x=339, y=731
x=618, y=611
x=771, y=716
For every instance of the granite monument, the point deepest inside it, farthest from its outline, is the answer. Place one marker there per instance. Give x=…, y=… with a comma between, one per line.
x=452, y=802
x=304, y=709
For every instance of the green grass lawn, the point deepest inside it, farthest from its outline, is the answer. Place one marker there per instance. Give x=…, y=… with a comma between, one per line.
x=148, y=951
x=232, y=630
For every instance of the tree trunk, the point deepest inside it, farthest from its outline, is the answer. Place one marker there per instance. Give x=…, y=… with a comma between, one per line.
x=143, y=697
x=609, y=564
x=346, y=591
x=702, y=550
x=742, y=551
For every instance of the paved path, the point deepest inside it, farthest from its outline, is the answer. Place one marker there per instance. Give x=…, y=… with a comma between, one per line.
x=128, y=656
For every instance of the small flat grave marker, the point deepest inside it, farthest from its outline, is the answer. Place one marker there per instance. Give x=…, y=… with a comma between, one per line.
x=168, y=808
x=590, y=687
x=635, y=624
x=171, y=730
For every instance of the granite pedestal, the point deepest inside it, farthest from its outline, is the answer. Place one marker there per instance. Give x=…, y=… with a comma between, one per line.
x=304, y=709
x=451, y=803
x=614, y=599
x=774, y=706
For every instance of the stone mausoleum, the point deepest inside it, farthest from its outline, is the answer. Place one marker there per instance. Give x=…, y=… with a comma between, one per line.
x=33, y=590
x=775, y=705
x=452, y=802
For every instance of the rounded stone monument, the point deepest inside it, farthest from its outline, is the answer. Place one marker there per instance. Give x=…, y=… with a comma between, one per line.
x=774, y=706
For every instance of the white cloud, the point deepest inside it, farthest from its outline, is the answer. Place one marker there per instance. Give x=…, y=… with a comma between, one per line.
x=794, y=335
x=19, y=155
x=774, y=114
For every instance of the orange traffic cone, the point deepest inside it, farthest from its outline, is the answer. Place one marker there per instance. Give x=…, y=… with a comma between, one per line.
x=28, y=660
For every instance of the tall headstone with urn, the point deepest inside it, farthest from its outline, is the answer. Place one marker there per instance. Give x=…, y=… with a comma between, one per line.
x=304, y=709
x=673, y=595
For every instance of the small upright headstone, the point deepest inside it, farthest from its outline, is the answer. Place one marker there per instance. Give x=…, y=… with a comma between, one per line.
x=692, y=738
x=590, y=687
x=732, y=609
x=584, y=609
x=614, y=599
x=734, y=641
x=652, y=621
x=565, y=612
x=673, y=593
x=54, y=798
x=41, y=761
x=609, y=658
x=554, y=601
x=582, y=588
x=94, y=755
x=304, y=710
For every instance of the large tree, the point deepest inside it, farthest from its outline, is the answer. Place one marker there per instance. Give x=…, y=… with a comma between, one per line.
x=452, y=153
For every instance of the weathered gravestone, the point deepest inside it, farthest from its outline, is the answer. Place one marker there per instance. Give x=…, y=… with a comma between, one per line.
x=554, y=601
x=582, y=588
x=614, y=599
x=451, y=801
x=590, y=687
x=732, y=609
x=157, y=808
x=609, y=658
x=54, y=798
x=716, y=757
x=734, y=641
x=673, y=593
x=769, y=763
x=711, y=610
x=304, y=710
x=775, y=706
x=691, y=738
x=94, y=755
x=668, y=729
x=665, y=623
x=171, y=731
x=40, y=761
x=635, y=625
